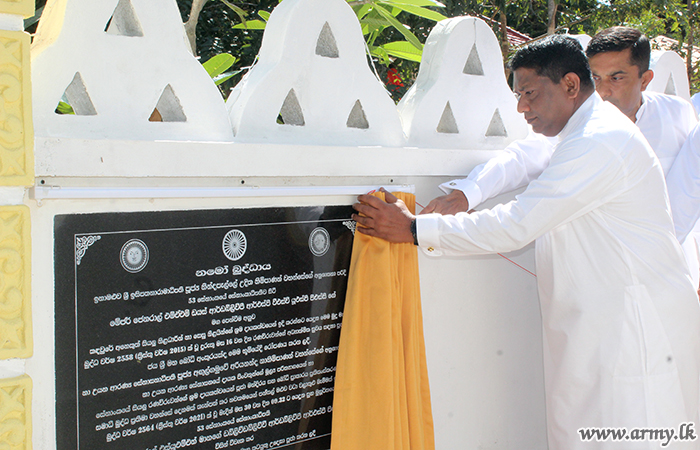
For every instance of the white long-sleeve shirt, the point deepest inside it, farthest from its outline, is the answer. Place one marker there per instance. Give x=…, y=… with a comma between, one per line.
x=621, y=320
x=664, y=120
x=683, y=181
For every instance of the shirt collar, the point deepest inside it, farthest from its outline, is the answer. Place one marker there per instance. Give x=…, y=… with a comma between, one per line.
x=642, y=108
x=580, y=115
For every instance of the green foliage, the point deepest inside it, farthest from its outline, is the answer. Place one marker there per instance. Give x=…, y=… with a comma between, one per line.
x=64, y=108
x=404, y=50
x=217, y=65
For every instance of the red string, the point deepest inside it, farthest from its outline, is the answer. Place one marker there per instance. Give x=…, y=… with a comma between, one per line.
x=499, y=254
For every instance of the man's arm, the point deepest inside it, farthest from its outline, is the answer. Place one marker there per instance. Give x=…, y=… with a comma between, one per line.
x=585, y=176
x=521, y=162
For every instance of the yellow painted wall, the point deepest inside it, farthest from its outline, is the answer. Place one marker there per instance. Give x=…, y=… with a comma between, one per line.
x=16, y=131
x=15, y=283
x=15, y=413
x=20, y=7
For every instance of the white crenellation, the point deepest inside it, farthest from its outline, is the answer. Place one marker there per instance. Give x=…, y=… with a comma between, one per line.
x=312, y=73
x=461, y=98
x=126, y=69
x=670, y=76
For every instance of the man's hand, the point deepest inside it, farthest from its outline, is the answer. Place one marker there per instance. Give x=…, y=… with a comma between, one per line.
x=451, y=203
x=390, y=220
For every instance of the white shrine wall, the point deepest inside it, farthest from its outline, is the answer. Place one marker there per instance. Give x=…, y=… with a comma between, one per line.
x=115, y=62
x=312, y=73
x=460, y=95
x=670, y=75
x=481, y=314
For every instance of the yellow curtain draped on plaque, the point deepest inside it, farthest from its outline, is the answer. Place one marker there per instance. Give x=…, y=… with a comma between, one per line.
x=382, y=397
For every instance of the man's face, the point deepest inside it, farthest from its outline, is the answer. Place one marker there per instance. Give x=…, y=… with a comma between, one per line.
x=547, y=106
x=618, y=81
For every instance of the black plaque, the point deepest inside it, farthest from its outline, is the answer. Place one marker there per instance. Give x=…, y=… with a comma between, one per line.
x=199, y=329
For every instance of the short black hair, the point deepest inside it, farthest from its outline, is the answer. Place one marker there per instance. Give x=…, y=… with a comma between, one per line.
x=553, y=57
x=617, y=39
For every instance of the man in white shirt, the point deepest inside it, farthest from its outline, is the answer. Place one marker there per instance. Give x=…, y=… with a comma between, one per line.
x=621, y=320
x=683, y=182
x=619, y=60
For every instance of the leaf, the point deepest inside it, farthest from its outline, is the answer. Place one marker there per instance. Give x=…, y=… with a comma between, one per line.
x=363, y=10
x=410, y=37
x=420, y=12
x=64, y=108
x=239, y=11
x=381, y=54
x=265, y=15
x=416, y=2
x=218, y=64
x=403, y=50
x=376, y=22
x=251, y=25
x=225, y=76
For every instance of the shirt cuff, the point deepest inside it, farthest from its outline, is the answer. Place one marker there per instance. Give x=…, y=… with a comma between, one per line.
x=470, y=189
x=428, y=234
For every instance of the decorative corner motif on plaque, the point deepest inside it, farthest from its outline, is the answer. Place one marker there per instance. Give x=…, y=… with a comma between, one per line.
x=234, y=245
x=82, y=243
x=16, y=413
x=24, y=8
x=16, y=129
x=351, y=224
x=15, y=283
x=319, y=241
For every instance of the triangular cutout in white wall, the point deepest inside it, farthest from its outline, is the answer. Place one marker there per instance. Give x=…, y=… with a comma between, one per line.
x=326, y=45
x=496, y=127
x=76, y=95
x=291, y=113
x=357, y=117
x=447, y=124
x=168, y=108
x=124, y=21
x=473, y=65
x=670, y=86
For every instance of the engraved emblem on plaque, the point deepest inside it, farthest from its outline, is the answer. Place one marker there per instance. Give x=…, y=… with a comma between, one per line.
x=234, y=245
x=134, y=256
x=319, y=241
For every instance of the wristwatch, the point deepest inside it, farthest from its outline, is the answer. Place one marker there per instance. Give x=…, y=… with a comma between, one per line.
x=414, y=232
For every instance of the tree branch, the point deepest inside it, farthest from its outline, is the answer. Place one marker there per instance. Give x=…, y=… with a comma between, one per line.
x=191, y=24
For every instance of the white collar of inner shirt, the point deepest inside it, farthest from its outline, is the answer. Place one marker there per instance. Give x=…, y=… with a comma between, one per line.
x=579, y=116
x=642, y=108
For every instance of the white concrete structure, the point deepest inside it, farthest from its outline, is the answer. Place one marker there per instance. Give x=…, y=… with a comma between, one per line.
x=670, y=75
x=481, y=314
x=460, y=98
x=117, y=62
x=583, y=39
x=312, y=83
